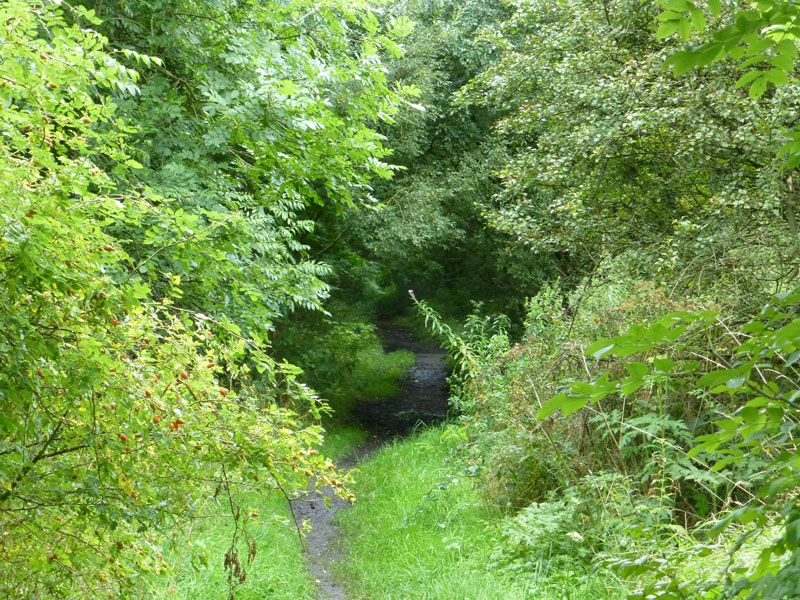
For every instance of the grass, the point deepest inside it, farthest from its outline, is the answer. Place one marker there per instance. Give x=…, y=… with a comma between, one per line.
x=419, y=531
x=376, y=374
x=342, y=441
x=278, y=571
x=196, y=559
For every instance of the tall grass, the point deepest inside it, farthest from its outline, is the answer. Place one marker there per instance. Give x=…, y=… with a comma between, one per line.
x=420, y=531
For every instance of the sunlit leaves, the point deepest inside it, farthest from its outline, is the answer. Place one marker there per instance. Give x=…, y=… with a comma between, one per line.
x=149, y=237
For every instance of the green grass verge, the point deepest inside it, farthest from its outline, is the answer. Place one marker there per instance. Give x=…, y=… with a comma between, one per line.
x=342, y=440
x=196, y=559
x=419, y=531
x=378, y=374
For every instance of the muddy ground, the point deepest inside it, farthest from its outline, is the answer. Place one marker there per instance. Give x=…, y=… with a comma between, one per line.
x=422, y=399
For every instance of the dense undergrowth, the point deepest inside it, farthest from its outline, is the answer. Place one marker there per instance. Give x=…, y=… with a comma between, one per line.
x=672, y=457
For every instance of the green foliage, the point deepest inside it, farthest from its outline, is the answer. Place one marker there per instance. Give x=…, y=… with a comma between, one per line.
x=618, y=472
x=155, y=160
x=181, y=179
x=345, y=361
x=664, y=196
x=761, y=38
x=278, y=569
x=576, y=524
x=428, y=233
x=610, y=153
x=761, y=421
x=254, y=117
x=420, y=530
x=502, y=386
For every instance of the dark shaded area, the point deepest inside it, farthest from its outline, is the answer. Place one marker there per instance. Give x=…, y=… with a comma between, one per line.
x=423, y=396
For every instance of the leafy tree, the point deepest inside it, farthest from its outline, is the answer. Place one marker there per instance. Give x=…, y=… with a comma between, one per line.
x=152, y=178
x=257, y=113
x=429, y=231
x=612, y=155
x=765, y=35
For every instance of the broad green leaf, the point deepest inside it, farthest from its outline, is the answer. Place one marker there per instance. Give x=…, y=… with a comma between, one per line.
x=747, y=78
x=630, y=385
x=782, y=61
x=664, y=365
x=668, y=28
x=600, y=349
x=567, y=404
x=758, y=45
x=678, y=5
x=637, y=369
x=777, y=76
x=752, y=61
x=787, y=47
x=721, y=464
x=758, y=87
x=750, y=414
x=681, y=62
x=792, y=358
x=736, y=382
x=685, y=28
x=698, y=19
x=715, y=378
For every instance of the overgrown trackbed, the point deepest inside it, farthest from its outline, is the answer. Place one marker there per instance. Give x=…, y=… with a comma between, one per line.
x=422, y=398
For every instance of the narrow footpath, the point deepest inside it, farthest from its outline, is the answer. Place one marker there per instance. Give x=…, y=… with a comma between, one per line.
x=422, y=399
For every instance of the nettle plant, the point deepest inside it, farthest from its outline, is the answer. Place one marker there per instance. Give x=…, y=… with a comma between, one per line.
x=118, y=413
x=756, y=367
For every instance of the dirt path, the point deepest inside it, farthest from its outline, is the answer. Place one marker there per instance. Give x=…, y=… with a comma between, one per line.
x=422, y=398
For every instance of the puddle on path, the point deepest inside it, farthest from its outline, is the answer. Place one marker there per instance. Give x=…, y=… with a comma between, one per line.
x=422, y=398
